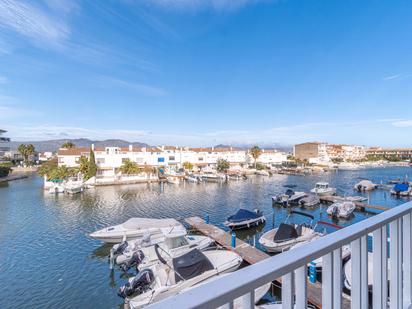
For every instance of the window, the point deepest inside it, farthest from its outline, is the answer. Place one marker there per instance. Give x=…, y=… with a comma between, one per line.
x=124, y=160
x=200, y=159
x=77, y=159
x=61, y=160
x=172, y=158
x=178, y=242
x=100, y=160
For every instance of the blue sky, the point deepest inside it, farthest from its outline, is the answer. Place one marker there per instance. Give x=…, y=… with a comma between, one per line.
x=203, y=72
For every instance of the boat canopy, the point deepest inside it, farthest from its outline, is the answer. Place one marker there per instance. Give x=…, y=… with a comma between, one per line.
x=146, y=223
x=401, y=187
x=190, y=265
x=243, y=215
x=284, y=232
x=289, y=192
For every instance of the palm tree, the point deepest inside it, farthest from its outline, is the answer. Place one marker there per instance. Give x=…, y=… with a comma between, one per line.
x=26, y=151
x=68, y=145
x=129, y=168
x=255, y=151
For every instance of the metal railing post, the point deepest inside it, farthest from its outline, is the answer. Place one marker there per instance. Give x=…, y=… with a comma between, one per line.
x=301, y=277
x=407, y=255
x=287, y=291
x=356, y=274
x=337, y=275
x=394, y=265
x=327, y=281
x=377, y=269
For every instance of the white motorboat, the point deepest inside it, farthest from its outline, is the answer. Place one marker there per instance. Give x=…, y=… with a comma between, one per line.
x=262, y=173
x=278, y=305
x=175, y=242
x=57, y=188
x=244, y=218
x=309, y=201
x=319, y=261
x=173, y=180
x=323, y=188
x=134, y=228
x=348, y=166
x=402, y=189
x=165, y=279
x=194, y=179
x=341, y=209
x=355, y=199
x=73, y=186
x=288, y=198
x=365, y=185
x=287, y=235
x=211, y=177
x=347, y=271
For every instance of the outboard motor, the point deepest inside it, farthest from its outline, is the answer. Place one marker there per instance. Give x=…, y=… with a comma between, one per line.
x=120, y=248
x=140, y=284
x=134, y=261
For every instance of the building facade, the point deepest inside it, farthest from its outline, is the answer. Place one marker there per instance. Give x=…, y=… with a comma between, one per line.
x=398, y=153
x=110, y=159
x=3, y=148
x=320, y=152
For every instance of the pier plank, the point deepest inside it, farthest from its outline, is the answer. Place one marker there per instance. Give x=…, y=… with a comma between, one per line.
x=253, y=255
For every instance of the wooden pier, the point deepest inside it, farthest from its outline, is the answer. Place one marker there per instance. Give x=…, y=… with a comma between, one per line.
x=360, y=206
x=253, y=255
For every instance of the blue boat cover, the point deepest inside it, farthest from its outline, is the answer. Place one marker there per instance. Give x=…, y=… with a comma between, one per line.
x=400, y=187
x=243, y=215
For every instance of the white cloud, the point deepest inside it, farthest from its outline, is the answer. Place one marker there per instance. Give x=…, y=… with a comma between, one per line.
x=64, y=6
x=218, y=5
x=402, y=123
x=397, y=77
x=33, y=23
x=8, y=111
x=141, y=88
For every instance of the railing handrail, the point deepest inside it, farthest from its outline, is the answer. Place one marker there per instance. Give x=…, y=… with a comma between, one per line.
x=241, y=282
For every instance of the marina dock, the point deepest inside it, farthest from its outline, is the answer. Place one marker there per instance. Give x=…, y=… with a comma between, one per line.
x=253, y=255
x=360, y=206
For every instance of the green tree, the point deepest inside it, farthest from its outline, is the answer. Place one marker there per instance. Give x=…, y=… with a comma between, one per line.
x=26, y=151
x=68, y=145
x=188, y=166
x=47, y=167
x=129, y=167
x=222, y=165
x=255, y=151
x=92, y=170
x=84, y=165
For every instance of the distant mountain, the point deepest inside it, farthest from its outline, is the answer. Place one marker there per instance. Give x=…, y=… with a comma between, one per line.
x=54, y=145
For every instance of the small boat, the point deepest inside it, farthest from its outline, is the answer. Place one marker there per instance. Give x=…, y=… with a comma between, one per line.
x=319, y=261
x=355, y=199
x=211, y=177
x=262, y=173
x=341, y=209
x=165, y=279
x=194, y=179
x=401, y=189
x=365, y=185
x=347, y=271
x=290, y=186
x=173, y=180
x=309, y=201
x=134, y=228
x=287, y=235
x=244, y=218
x=323, y=188
x=56, y=189
x=73, y=186
x=290, y=197
x=175, y=242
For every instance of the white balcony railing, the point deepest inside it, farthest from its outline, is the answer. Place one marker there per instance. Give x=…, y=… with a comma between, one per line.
x=391, y=228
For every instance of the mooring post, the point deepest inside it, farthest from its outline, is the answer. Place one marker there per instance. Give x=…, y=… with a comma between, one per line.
x=111, y=259
x=312, y=272
x=233, y=240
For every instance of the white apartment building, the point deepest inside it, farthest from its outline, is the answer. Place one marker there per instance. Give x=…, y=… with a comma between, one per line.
x=323, y=153
x=110, y=159
x=3, y=149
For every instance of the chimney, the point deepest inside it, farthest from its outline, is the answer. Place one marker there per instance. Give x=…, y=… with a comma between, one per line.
x=163, y=148
x=130, y=147
x=92, y=147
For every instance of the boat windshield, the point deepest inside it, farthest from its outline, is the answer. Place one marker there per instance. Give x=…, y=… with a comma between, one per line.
x=322, y=186
x=177, y=242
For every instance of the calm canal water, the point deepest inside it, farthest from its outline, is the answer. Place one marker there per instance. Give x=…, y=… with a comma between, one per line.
x=48, y=261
